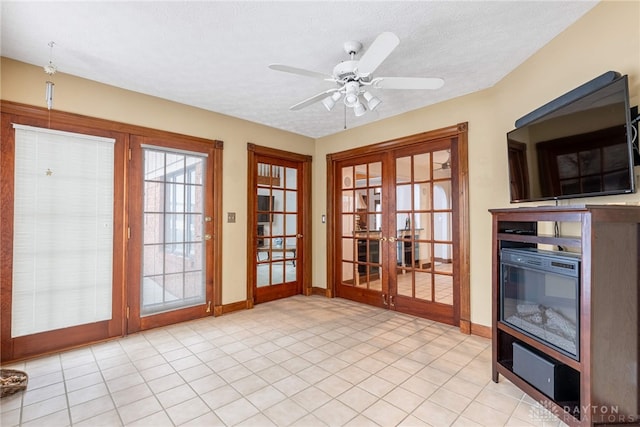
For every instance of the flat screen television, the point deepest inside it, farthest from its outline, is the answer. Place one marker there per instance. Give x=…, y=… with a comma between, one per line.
x=578, y=145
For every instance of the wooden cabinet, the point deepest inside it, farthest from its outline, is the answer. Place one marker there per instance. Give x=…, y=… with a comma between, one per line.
x=606, y=239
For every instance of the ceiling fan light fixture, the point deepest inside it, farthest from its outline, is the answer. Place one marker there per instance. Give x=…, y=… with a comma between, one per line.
x=351, y=94
x=359, y=109
x=350, y=100
x=330, y=101
x=372, y=101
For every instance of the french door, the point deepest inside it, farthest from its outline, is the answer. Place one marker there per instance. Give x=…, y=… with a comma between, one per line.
x=171, y=248
x=104, y=231
x=423, y=280
x=278, y=237
x=396, y=228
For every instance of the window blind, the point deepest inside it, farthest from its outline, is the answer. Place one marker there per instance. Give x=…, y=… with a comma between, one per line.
x=63, y=230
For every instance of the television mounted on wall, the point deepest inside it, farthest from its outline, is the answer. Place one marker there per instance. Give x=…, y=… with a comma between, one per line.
x=578, y=145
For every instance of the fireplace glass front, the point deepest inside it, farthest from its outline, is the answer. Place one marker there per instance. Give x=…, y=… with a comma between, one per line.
x=540, y=296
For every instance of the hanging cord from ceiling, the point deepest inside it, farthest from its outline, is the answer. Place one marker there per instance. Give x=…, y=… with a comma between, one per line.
x=50, y=69
x=345, y=117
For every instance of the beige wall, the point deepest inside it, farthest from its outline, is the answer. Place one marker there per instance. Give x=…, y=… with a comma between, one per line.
x=607, y=38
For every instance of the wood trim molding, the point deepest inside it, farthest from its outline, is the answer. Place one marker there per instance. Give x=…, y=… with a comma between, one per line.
x=330, y=247
x=73, y=119
x=446, y=132
x=481, y=330
x=217, y=220
x=465, y=326
x=277, y=153
x=234, y=306
x=464, y=227
x=314, y=290
x=252, y=180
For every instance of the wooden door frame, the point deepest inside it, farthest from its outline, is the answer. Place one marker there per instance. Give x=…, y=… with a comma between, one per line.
x=304, y=255
x=13, y=112
x=459, y=131
x=46, y=342
x=212, y=180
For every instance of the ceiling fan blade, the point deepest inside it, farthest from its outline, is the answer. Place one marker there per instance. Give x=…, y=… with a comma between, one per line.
x=381, y=47
x=312, y=100
x=300, y=71
x=408, y=83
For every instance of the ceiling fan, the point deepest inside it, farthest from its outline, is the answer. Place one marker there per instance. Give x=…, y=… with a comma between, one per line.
x=445, y=165
x=354, y=77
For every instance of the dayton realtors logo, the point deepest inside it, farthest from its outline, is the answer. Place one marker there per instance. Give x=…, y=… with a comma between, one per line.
x=547, y=411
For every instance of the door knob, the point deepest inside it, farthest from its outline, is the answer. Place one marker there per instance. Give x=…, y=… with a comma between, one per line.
x=207, y=237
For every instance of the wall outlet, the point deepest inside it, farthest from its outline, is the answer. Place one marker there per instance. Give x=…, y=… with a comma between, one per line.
x=231, y=217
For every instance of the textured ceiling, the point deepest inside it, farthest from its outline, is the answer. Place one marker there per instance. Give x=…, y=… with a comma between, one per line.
x=215, y=55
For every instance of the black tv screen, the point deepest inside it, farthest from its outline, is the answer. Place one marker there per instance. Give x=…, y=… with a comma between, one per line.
x=580, y=148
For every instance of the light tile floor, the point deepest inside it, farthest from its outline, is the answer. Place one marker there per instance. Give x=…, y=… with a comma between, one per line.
x=301, y=361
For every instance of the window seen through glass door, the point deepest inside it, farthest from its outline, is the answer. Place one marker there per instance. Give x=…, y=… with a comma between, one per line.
x=424, y=227
x=362, y=217
x=277, y=219
x=173, y=273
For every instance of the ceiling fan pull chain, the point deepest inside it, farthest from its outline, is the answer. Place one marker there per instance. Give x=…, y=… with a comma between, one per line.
x=345, y=117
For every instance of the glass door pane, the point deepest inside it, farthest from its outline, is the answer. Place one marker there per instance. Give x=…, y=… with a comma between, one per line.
x=362, y=216
x=173, y=267
x=277, y=218
x=423, y=222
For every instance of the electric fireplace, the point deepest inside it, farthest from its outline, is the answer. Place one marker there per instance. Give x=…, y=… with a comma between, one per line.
x=539, y=294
